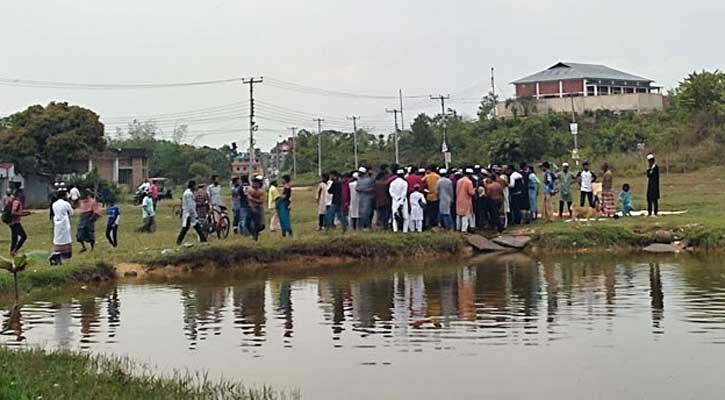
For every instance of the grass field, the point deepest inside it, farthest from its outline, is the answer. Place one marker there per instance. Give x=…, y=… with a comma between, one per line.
x=701, y=194
x=36, y=374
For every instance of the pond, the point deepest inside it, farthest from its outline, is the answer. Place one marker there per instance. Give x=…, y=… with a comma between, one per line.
x=504, y=328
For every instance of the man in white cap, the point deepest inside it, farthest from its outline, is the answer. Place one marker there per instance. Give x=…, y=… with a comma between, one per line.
x=399, y=194
x=653, y=186
x=366, y=202
x=444, y=189
x=354, y=210
x=464, y=202
x=566, y=180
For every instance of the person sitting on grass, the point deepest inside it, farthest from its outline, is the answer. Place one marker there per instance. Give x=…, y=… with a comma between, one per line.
x=89, y=212
x=114, y=216
x=148, y=214
x=625, y=200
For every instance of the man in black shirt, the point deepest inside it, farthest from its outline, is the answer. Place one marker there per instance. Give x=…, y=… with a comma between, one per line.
x=335, y=209
x=653, y=186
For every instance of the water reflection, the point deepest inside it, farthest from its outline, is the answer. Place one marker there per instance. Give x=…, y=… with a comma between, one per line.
x=511, y=300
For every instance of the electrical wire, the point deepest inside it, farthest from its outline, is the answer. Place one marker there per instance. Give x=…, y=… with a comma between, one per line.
x=295, y=87
x=109, y=86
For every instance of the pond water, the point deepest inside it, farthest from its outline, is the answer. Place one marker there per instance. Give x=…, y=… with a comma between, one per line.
x=503, y=328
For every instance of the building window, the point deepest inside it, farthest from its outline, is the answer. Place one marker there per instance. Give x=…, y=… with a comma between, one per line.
x=124, y=176
x=590, y=90
x=603, y=90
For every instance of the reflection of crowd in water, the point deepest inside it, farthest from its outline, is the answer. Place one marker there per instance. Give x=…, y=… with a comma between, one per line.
x=497, y=300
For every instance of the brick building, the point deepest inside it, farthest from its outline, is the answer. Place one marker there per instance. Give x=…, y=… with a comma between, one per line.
x=568, y=86
x=567, y=79
x=126, y=167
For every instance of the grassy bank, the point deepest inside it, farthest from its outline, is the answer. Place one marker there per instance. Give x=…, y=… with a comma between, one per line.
x=356, y=246
x=36, y=374
x=701, y=194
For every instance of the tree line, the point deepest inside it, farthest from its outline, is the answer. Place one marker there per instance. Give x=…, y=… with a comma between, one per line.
x=688, y=133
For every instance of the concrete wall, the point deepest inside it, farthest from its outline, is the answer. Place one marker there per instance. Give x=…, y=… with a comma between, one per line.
x=638, y=102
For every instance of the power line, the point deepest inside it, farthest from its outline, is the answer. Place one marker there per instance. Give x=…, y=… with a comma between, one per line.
x=222, y=107
x=295, y=87
x=108, y=86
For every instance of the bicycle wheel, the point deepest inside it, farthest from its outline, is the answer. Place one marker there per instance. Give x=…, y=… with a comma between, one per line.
x=223, y=229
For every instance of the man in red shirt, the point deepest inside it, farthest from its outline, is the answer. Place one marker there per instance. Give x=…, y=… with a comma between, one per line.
x=17, y=233
x=415, y=177
x=154, y=192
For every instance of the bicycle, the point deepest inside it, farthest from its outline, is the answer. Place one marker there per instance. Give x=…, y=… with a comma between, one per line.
x=218, y=221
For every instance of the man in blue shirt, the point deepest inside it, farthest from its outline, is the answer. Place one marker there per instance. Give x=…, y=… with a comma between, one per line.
x=549, y=190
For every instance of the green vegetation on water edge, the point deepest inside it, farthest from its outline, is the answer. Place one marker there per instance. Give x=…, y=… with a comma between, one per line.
x=60, y=375
x=701, y=194
x=364, y=245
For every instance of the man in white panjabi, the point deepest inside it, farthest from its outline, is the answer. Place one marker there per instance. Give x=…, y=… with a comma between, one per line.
x=62, y=238
x=399, y=194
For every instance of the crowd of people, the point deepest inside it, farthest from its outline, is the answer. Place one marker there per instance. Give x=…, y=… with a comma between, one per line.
x=401, y=199
x=412, y=199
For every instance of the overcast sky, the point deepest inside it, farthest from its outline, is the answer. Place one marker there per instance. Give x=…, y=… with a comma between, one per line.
x=366, y=46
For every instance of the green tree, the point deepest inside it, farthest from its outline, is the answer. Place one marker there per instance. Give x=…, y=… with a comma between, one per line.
x=200, y=171
x=487, y=106
x=49, y=139
x=702, y=92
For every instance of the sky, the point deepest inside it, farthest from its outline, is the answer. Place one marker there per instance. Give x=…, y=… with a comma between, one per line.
x=372, y=48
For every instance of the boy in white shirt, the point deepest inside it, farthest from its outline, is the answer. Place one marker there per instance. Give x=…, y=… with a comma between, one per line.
x=417, y=205
x=586, y=180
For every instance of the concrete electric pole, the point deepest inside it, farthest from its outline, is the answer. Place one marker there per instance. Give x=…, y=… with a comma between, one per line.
x=252, y=125
x=395, y=111
x=319, y=145
x=354, y=119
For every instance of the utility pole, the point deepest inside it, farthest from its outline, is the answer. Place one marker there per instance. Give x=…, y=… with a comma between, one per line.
x=444, y=146
x=395, y=111
x=354, y=119
x=493, y=93
x=294, y=151
x=319, y=145
x=252, y=125
x=402, y=118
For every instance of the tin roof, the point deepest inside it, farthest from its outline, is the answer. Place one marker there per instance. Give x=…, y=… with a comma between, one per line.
x=569, y=71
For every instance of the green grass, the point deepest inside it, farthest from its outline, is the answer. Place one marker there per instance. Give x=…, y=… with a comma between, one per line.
x=701, y=193
x=36, y=374
x=358, y=245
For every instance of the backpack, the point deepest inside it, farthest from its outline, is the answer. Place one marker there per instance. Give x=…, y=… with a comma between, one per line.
x=8, y=212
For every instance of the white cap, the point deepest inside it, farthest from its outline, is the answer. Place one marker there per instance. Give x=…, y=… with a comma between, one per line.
x=459, y=172
x=421, y=170
x=442, y=171
x=259, y=177
x=362, y=170
x=355, y=174
x=469, y=170
x=400, y=171
x=477, y=166
x=650, y=156
x=566, y=164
